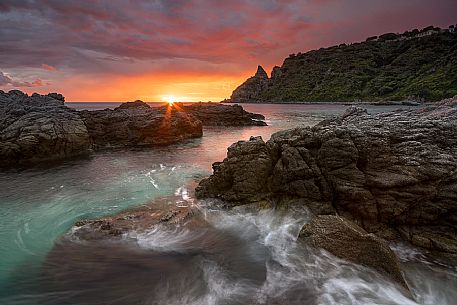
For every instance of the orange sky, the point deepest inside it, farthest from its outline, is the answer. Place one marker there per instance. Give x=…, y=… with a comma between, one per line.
x=153, y=87
x=195, y=50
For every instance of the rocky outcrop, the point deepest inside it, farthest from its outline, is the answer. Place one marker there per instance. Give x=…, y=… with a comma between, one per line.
x=251, y=89
x=137, y=124
x=348, y=241
x=39, y=127
x=215, y=114
x=394, y=174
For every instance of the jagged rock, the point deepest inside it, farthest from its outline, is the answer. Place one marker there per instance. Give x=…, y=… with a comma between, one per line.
x=395, y=173
x=348, y=241
x=39, y=127
x=137, y=124
x=215, y=114
x=250, y=90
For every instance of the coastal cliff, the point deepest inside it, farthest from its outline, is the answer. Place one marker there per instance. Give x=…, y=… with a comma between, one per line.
x=416, y=65
x=394, y=174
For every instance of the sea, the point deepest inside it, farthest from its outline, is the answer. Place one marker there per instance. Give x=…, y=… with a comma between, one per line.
x=248, y=257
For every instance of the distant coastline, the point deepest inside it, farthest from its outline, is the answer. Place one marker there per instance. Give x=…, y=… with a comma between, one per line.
x=415, y=66
x=378, y=103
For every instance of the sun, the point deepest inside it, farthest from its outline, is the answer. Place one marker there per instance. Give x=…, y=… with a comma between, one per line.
x=170, y=99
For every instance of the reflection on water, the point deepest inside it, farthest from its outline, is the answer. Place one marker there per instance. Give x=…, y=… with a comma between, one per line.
x=239, y=259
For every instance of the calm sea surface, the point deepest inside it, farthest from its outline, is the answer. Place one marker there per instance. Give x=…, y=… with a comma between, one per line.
x=257, y=260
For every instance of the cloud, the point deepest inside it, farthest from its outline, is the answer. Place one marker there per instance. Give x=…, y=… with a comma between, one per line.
x=61, y=40
x=5, y=80
x=48, y=67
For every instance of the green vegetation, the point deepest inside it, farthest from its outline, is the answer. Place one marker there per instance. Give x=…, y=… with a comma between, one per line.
x=375, y=70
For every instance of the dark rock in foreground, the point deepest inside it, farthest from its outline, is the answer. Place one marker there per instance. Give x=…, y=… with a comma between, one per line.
x=348, y=241
x=395, y=174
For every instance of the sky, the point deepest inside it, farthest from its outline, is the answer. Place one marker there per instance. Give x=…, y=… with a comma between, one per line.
x=192, y=50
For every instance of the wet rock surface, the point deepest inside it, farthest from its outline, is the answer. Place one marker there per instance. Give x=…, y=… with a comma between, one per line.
x=148, y=255
x=140, y=219
x=348, y=241
x=394, y=174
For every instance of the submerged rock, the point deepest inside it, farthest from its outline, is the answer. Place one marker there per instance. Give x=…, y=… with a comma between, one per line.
x=348, y=241
x=138, y=219
x=394, y=174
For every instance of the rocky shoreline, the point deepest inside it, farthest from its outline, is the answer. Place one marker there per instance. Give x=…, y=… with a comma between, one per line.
x=393, y=174
x=366, y=179
x=40, y=128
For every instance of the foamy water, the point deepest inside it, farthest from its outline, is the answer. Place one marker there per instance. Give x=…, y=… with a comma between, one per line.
x=239, y=257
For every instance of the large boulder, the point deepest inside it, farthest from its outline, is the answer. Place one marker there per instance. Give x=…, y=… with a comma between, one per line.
x=394, y=174
x=348, y=241
x=39, y=127
x=137, y=124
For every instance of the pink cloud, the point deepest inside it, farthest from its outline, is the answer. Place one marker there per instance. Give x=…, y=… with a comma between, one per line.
x=48, y=67
x=134, y=38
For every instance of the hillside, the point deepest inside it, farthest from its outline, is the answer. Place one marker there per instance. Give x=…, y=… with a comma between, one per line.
x=418, y=65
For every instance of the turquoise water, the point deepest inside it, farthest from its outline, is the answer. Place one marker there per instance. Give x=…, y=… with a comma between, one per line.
x=40, y=204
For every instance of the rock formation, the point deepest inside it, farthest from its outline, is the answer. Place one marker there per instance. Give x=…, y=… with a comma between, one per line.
x=395, y=174
x=40, y=127
x=137, y=124
x=215, y=114
x=251, y=89
x=371, y=71
x=140, y=219
x=348, y=241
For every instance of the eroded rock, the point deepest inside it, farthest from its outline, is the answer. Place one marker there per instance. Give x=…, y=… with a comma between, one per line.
x=137, y=124
x=348, y=241
x=394, y=174
x=39, y=127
